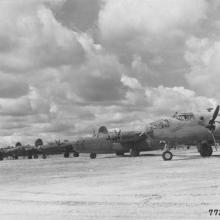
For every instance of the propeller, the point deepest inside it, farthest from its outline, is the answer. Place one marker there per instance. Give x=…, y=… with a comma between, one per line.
x=141, y=133
x=211, y=125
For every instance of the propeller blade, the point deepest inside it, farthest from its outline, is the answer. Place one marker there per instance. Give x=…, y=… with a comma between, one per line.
x=215, y=114
x=214, y=140
x=141, y=133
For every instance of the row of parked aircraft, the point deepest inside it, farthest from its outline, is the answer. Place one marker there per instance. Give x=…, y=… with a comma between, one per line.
x=184, y=128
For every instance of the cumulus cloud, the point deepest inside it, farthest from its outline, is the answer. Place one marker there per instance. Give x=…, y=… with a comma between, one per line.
x=128, y=18
x=176, y=99
x=67, y=66
x=151, y=34
x=78, y=14
x=99, y=79
x=203, y=57
x=32, y=38
x=11, y=87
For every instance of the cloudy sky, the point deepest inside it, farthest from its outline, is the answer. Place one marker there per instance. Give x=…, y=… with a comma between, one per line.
x=68, y=66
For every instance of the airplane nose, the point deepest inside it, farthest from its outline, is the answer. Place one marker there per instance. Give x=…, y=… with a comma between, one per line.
x=203, y=121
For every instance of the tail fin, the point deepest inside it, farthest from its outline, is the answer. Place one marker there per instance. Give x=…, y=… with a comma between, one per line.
x=103, y=130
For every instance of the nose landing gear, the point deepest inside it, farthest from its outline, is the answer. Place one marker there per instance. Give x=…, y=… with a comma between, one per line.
x=166, y=155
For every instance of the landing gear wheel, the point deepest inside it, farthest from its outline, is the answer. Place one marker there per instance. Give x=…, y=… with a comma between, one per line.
x=75, y=154
x=209, y=151
x=93, y=155
x=205, y=149
x=134, y=153
x=120, y=153
x=66, y=154
x=167, y=155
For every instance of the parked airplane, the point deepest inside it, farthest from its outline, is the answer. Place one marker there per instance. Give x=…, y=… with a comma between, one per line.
x=19, y=150
x=57, y=147
x=184, y=128
x=39, y=148
x=105, y=142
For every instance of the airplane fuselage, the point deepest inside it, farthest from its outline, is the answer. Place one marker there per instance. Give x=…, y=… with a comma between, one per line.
x=179, y=132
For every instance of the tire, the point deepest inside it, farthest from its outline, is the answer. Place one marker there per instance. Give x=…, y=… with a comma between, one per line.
x=120, y=153
x=29, y=156
x=35, y=156
x=15, y=157
x=75, y=154
x=167, y=155
x=44, y=156
x=205, y=150
x=66, y=154
x=134, y=153
x=93, y=155
x=210, y=151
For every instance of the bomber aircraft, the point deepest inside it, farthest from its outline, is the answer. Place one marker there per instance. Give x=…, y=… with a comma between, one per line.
x=182, y=128
x=57, y=147
x=18, y=151
x=39, y=148
x=118, y=142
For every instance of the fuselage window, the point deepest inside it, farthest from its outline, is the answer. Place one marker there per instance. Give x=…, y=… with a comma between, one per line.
x=160, y=124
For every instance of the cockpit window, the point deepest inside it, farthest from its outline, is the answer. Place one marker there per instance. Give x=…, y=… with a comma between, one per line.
x=164, y=123
x=184, y=116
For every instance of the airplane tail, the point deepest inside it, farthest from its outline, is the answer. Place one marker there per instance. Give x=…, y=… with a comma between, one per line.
x=102, y=130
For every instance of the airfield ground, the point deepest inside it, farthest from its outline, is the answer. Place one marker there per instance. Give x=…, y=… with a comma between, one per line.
x=111, y=187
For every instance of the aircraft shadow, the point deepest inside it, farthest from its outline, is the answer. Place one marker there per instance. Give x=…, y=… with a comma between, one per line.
x=186, y=157
x=128, y=156
x=217, y=156
x=192, y=157
x=176, y=157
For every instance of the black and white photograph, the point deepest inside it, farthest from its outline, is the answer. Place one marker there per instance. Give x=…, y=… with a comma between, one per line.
x=109, y=109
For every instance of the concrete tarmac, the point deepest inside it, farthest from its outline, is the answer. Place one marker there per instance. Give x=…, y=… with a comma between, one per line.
x=111, y=187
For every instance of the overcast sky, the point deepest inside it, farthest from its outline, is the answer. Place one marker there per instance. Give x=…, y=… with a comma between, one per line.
x=68, y=66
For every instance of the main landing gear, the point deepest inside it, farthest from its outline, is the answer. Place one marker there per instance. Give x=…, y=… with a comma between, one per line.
x=66, y=154
x=134, y=152
x=205, y=149
x=93, y=155
x=120, y=153
x=75, y=154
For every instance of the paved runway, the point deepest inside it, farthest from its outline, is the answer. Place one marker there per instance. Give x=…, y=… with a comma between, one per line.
x=110, y=187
